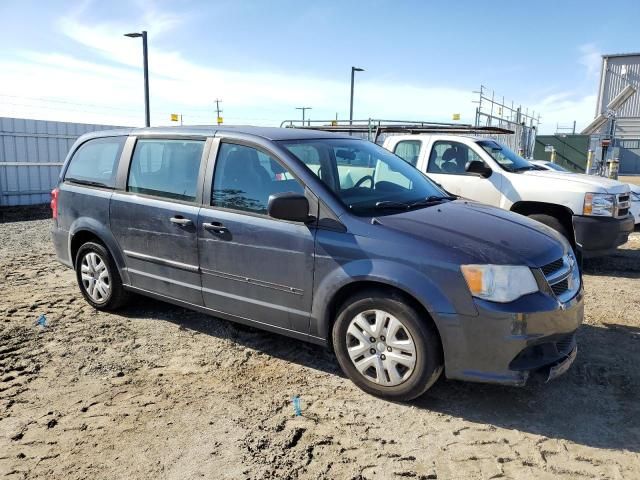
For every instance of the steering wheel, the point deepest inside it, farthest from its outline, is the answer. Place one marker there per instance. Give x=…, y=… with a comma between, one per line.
x=364, y=179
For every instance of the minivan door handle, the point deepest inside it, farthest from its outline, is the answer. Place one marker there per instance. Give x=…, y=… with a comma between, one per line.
x=216, y=227
x=180, y=220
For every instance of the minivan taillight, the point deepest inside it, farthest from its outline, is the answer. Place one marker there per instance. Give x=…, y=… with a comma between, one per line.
x=54, y=202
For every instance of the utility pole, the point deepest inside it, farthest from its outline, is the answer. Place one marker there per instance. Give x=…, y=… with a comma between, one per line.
x=218, y=111
x=304, y=109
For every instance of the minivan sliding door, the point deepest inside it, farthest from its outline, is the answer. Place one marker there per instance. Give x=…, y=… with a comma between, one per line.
x=155, y=218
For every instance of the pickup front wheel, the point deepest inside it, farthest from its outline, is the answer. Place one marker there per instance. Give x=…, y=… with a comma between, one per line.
x=386, y=347
x=554, y=223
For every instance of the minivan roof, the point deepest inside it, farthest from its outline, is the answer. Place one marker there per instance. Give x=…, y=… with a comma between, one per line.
x=269, y=133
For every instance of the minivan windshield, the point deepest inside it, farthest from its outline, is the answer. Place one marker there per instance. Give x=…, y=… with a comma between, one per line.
x=368, y=179
x=507, y=159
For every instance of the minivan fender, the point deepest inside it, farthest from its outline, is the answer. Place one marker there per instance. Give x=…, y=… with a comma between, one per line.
x=401, y=277
x=102, y=232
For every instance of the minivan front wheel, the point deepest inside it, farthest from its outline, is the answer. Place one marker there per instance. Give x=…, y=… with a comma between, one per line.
x=385, y=346
x=98, y=277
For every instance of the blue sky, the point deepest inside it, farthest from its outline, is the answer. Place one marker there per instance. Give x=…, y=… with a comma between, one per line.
x=69, y=61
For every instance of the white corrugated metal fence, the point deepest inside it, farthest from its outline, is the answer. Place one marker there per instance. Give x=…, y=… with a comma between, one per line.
x=31, y=154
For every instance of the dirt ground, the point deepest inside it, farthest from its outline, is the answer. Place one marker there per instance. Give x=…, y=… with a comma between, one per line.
x=157, y=391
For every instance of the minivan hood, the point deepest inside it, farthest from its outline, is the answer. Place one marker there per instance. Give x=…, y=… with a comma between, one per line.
x=594, y=182
x=481, y=233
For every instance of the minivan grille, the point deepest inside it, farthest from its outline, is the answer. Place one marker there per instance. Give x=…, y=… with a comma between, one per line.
x=562, y=277
x=560, y=287
x=549, y=268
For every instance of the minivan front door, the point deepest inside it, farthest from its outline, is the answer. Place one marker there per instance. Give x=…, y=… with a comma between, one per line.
x=155, y=219
x=254, y=267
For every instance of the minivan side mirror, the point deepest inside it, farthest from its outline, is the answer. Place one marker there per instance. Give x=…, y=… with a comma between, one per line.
x=290, y=206
x=478, y=167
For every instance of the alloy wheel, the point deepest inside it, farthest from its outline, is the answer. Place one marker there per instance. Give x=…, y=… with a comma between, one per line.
x=95, y=277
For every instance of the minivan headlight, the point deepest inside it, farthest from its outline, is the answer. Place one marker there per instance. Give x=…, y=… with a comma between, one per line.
x=599, y=204
x=499, y=283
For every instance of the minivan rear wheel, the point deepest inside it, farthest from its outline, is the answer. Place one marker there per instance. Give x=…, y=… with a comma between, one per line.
x=386, y=347
x=98, y=277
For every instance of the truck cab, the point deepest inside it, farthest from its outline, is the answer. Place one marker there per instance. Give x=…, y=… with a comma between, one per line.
x=591, y=213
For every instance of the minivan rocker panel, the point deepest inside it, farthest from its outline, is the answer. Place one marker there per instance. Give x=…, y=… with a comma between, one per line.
x=401, y=280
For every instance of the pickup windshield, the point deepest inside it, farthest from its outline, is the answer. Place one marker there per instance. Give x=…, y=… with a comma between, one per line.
x=507, y=159
x=367, y=179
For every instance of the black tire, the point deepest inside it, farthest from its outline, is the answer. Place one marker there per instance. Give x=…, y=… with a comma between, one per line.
x=554, y=223
x=428, y=350
x=117, y=296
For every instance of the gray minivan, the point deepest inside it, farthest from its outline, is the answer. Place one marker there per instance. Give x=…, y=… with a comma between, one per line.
x=326, y=238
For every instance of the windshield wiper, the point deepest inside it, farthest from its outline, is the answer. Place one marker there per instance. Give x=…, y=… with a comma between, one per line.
x=391, y=204
x=430, y=200
x=524, y=168
x=91, y=183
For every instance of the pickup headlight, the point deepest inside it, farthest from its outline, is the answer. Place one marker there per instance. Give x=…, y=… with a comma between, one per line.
x=599, y=204
x=499, y=283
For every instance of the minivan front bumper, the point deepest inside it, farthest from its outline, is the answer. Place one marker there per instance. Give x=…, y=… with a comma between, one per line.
x=506, y=346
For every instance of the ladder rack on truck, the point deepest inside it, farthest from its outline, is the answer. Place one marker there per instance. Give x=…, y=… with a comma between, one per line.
x=373, y=128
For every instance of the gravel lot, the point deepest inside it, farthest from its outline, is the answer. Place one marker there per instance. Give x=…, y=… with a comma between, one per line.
x=157, y=391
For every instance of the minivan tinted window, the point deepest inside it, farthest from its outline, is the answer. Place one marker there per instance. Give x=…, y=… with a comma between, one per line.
x=166, y=168
x=245, y=177
x=95, y=162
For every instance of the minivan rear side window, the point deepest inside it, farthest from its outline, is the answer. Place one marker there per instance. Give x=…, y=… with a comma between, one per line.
x=166, y=168
x=96, y=162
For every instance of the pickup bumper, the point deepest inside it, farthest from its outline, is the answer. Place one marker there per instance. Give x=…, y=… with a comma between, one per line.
x=508, y=344
x=601, y=235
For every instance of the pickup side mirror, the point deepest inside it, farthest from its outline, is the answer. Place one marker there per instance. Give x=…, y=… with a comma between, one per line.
x=288, y=206
x=478, y=167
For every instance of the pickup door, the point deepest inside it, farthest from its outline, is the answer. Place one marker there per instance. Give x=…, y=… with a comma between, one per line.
x=445, y=162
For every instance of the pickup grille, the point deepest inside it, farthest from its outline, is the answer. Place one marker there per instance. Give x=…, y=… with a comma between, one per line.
x=562, y=277
x=622, y=205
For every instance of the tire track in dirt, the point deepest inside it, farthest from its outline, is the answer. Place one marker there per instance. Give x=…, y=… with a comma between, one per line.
x=156, y=391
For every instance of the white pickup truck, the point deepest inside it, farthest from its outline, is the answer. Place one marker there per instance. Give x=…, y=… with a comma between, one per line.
x=593, y=213
x=634, y=209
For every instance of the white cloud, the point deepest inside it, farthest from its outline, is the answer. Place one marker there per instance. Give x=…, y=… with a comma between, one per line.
x=109, y=89
x=590, y=59
x=178, y=85
x=562, y=109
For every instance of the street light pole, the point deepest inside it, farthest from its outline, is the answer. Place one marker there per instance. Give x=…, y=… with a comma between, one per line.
x=303, y=110
x=353, y=71
x=145, y=61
